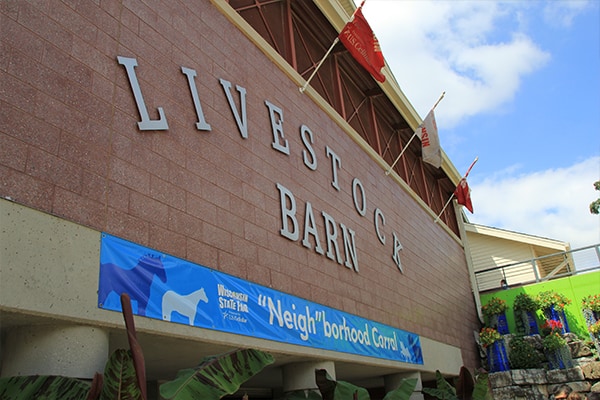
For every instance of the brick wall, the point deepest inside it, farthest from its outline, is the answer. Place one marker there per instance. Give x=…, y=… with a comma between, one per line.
x=70, y=146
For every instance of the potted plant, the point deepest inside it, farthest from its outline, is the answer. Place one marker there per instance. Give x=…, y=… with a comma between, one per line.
x=591, y=302
x=492, y=341
x=524, y=308
x=595, y=329
x=551, y=326
x=556, y=350
x=553, y=305
x=591, y=307
x=494, y=314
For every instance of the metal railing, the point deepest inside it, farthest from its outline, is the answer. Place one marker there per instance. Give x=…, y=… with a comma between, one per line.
x=540, y=269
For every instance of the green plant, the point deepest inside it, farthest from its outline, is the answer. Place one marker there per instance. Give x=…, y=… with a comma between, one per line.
x=595, y=328
x=339, y=390
x=525, y=302
x=43, y=387
x=487, y=336
x=466, y=387
x=216, y=376
x=553, y=341
x=595, y=205
x=551, y=298
x=493, y=307
x=591, y=302
x=522, y=354
x=125, y=377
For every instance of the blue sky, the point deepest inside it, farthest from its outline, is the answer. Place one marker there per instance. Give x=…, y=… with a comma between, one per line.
x=522, y=83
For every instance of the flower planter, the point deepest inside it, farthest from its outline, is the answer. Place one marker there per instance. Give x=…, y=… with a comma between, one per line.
x=591, y=317
x=526, y=322
x=531, y=324
x=497, y=357
x=499, y=322
x=560, y=358
x=502, y=324
x=555, y=315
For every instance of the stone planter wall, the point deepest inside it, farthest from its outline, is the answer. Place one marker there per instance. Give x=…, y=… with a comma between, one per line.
x=536, y=384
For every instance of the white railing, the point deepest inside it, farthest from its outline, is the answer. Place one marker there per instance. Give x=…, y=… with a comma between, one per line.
x=557, y=265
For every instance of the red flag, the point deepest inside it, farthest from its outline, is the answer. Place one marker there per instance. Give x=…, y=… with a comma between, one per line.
x=361, y=42
x=463, y=194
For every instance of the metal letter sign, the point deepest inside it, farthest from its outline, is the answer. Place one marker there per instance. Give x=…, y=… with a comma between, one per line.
x=175, y=290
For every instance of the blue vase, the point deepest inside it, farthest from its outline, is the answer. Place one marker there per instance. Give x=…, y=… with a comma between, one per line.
x=502, y=324
x=497, y=357
x=590, y=316
x=559, y=316
x=560, y=358
x=532, y=323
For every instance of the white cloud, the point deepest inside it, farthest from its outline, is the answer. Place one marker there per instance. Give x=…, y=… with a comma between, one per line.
x=473, y=51
x=479, y=53
x=552, y=203
x=561, y=13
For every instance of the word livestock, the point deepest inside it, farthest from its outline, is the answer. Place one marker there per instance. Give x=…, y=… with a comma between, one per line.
x=335, y=240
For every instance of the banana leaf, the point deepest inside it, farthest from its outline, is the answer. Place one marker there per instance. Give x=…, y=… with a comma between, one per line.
x=216, y=376
x=403, y=392
x=338, y=390
x=120, y=379
x=482, y=389
x=443, y=391
x=43, y=388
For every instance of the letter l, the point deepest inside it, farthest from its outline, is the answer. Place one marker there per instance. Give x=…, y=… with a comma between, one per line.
x=146, y=124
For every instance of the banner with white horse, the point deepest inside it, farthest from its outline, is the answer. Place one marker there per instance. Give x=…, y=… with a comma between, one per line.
x=171, y=289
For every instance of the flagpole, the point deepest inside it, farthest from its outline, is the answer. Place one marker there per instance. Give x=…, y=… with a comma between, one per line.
x=443, y=209
x=452, y=196
x=438, y=101
x=303, y=88
x=337, y=39
x=471, y=166
x=389, y=171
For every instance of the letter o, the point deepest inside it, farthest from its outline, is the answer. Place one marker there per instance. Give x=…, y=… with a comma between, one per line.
x=356, y=183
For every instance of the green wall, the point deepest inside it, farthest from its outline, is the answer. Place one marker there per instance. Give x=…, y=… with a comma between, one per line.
x=574, y=287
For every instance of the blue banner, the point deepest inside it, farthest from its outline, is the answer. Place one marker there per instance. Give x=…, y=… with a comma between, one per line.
x=175, y=290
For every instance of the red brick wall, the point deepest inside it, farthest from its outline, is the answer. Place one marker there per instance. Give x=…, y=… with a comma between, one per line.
x=70, y=146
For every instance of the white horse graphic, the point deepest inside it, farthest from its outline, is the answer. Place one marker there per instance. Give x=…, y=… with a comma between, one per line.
x=405, y=352
x=184, y=304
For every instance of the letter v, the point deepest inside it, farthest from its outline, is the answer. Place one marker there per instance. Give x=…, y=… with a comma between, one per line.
x=241, y=122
